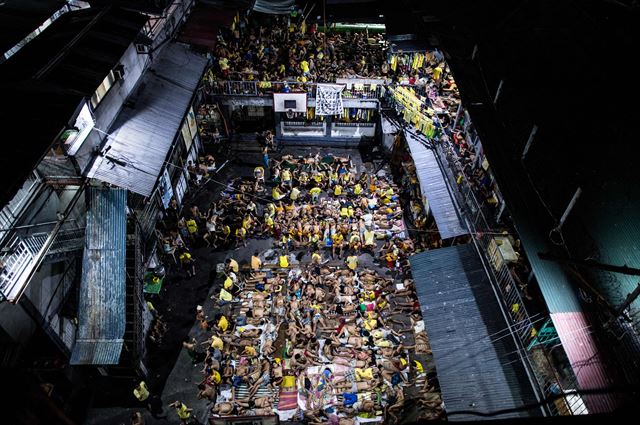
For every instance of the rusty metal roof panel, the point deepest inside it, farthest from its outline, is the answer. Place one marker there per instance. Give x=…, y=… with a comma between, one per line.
x=102, y=301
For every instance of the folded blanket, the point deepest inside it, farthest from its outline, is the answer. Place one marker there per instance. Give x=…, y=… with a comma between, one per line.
x=288, y=400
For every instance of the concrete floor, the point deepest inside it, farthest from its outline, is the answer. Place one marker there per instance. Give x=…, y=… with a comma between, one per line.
x=171, y=372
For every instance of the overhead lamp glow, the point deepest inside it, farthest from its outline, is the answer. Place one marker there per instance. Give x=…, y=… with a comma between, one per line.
x=380, y=16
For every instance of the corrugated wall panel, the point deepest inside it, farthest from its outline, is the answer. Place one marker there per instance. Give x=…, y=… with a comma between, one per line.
x=103, y=284
x=575, y=334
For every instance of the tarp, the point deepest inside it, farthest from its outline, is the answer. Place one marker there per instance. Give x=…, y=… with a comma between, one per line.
x=329, y=99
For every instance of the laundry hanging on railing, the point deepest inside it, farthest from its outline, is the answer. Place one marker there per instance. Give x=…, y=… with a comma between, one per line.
x=329, y=99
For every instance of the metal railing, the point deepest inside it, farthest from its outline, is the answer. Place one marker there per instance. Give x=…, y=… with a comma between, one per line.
x=20, y=255
x=521, y=321
x=267, y=88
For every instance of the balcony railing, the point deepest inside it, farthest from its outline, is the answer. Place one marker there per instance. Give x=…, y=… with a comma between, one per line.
x=267, y=88
x=522, y=322
x=20, y=256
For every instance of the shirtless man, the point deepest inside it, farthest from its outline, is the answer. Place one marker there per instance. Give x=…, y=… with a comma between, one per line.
x=259, y=402
x=224, y=409
x=398, y=405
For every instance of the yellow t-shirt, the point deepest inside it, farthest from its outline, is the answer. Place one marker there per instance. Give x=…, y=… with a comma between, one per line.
x=362, y=374
x=295, y=192
x=284, y=261
x=437, y=72
x=304, y=66
x=289, y=381
x=223, y=324
x=337, y=190
x=369, y=237
x=234, y=265
x=315, y=258
x=183, y=411
x=141, y=392
x=256, y=263
x=192, y=226
x=315, y=191
x=215, y=377
x=216, y=342
x=352, y=262
x=228, y=283
x=225, y=295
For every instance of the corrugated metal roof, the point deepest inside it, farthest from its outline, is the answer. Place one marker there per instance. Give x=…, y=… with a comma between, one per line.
x=103, y=286
x=575, y=335
x=476, y=360
x=145, y=129
x=434, y=188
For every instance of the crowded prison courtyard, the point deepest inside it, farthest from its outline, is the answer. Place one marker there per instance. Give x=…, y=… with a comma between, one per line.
x=289, y=292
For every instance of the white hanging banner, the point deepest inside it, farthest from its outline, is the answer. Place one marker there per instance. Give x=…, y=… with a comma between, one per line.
x=329, y=99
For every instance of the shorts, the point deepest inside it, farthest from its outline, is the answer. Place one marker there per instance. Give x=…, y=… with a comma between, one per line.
x=236, y=381
x=349, y=399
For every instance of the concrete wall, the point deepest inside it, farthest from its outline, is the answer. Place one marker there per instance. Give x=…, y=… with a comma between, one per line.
x=45, y=293
x=134, y=66
x=105, y=113
x=16, y=323
x=356, y=131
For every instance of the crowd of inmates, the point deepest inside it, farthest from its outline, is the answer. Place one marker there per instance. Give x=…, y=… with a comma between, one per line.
x=305, y=330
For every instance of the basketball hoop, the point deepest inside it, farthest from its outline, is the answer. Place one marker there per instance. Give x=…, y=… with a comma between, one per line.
x=290, y=113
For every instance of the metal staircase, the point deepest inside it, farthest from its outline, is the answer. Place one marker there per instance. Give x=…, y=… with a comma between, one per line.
x=19, y=257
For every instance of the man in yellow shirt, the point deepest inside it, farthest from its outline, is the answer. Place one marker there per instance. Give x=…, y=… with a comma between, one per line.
x=295, y=193
x=233, y=265
x=315, y=194
x=316, y=258
x=304, y=66
x=141, y=392
x=256, y=263
x=284, y=260
x=337, y=243
x=184, y=413
x=286, y=177
x=216, y=342
x=223, y=323
x=352, y=262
